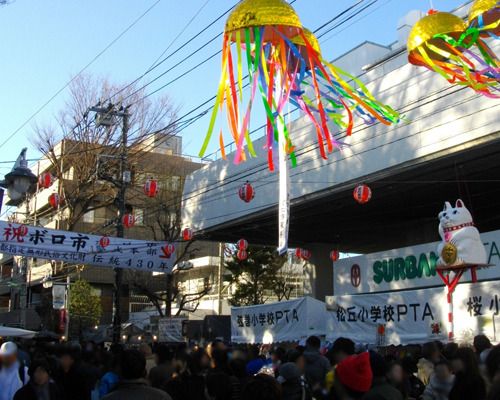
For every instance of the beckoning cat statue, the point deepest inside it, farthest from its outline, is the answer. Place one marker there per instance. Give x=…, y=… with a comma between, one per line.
x=461, y=245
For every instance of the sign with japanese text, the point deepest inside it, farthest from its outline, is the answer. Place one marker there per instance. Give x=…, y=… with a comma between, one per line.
x=413, y=316
x=405, y=268
x=170, y=330
x=278, y=322
x=81, y=248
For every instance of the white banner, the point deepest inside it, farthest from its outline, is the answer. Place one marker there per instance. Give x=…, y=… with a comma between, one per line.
x=170, y=330
x=278, y=322
x=405, y=268
x=58, y=296
x=414, y=316
x=284, y=192
x=81, y=248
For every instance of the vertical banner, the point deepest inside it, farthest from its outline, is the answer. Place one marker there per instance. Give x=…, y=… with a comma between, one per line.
x=284, y=190
x=58, y=296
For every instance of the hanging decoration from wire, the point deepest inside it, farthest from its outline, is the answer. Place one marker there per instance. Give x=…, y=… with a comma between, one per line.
x=285, y=66
x=444, y=43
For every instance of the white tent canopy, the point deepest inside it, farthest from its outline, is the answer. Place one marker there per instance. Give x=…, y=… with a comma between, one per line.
x=284, y=321
x=6, y=331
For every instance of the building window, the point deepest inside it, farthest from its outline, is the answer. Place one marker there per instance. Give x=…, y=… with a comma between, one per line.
x=88, y=217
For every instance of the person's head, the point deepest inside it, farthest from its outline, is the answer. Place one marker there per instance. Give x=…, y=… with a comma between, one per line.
x=378, y=364
x=493, y=363
x=353, y=377
x=395, y=373
x=39, y=372
x=219, y=358
x=342, y=348
x=146, y=350
x=442, y=370
x=481, y=343
x=180, y=361
x=262, y=387
x=132, y=365
x=200, y=360
x=297, y=357
x=289, y=373
x=67, y=359
x=465, y=362
x=218, y=386
x=450, y=350
x=313, y=343
x=163, y=354
x=278, y=355
x=430, y=351
x=8, y=353
x=237, y=366
x=409, y=366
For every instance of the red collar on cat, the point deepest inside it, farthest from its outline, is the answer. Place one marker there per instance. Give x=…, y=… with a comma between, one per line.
x=457, y=227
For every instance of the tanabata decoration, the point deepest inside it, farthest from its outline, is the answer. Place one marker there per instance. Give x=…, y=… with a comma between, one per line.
x=151, y=188
x=128, y=220
x=55, y=200
x=461, y=249
x=443, y=43
x=484, y=15
x=362, y=194
x=266, y=39
x=45, y=180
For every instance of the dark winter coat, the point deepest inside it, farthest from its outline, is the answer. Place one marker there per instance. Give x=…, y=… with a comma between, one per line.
x=28, y=392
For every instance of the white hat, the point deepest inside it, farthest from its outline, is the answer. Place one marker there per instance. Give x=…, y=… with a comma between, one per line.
x=8, y=349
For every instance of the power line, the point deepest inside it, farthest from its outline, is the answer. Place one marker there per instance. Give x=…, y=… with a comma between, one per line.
x=38, y=110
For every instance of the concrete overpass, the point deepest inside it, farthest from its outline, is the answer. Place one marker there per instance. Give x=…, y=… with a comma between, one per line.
x=447, y=148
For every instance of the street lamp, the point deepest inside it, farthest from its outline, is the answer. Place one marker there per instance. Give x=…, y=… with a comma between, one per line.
x=19, y=181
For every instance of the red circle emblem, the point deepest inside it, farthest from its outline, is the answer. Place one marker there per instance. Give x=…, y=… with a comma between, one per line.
x=355, y=275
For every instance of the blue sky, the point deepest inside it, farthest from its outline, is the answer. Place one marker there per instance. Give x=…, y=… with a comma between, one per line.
x=44, y=43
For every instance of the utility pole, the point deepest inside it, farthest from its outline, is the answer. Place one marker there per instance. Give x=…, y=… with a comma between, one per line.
x=219, y=278
x=124, y=179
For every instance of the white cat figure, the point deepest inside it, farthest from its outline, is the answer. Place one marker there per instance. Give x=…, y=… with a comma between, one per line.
x=461, y=244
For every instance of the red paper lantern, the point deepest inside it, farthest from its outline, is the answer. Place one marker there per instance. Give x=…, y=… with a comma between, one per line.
x=334, y=255
x=104, y=242
x=128, y=220
x=362, y=194
x=54, y=200
x=187, y=234
x=242, y=255
x=45, y=180
x=298, y=252
x=246, y=192
x=305, y=254
x=242, y=244
x=151, y=188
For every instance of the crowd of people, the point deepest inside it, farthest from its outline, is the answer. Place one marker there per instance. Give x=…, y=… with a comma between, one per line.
x=220, y=372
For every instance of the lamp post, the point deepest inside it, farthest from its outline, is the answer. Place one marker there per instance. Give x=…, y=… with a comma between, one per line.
x=19, y=182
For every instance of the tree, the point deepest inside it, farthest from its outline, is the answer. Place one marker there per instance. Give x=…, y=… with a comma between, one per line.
x=78, y=144
x=84, y=306
x=255, y=278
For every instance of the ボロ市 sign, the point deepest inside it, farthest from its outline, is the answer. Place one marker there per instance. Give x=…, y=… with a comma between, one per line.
x=405, y=268
x=81, y=248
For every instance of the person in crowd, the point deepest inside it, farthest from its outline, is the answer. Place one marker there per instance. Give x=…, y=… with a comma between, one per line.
x=278, y=355
x=441, y=382
x=110, y=378
x=425, y=366
x=147, y=352
x=161, y=373
x=40, y=386
x=13, y=374
x=396, y=376
x=74, y=381
x=255, y=360
x=450, y=350
x=262, y=387
x=133, y=385
x=412, y=386
x=353, y=378
x=292, y=385
x=341, y=349
x=381, y=388
x=469, y=384
x=185, y=383
x=482, y=347
x=219, y=386
x=317, y=365
x=493, y=370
